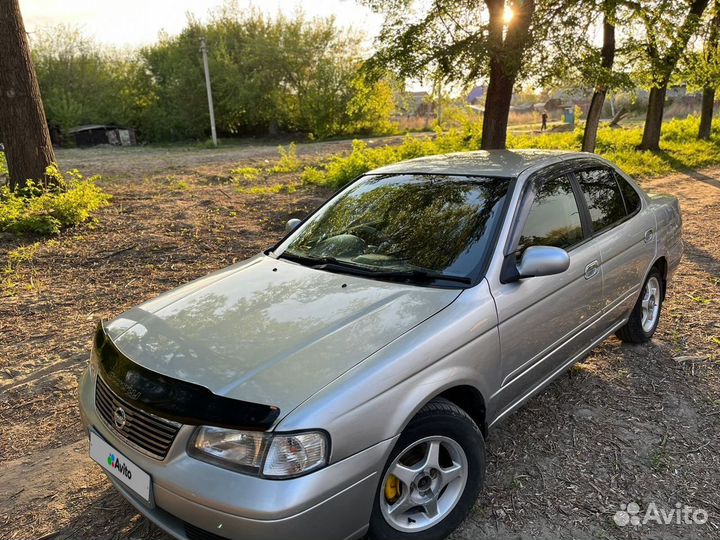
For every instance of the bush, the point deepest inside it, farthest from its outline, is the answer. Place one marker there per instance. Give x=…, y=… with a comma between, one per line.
x=249, y=174
x=70, y=200
x=3, y=165
x=680, y=149
x=289, y=162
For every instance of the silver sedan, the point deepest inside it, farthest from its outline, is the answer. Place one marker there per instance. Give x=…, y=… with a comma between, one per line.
x=342, y=383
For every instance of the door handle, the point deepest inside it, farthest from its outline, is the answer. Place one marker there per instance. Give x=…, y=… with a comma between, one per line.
x=649, y=235
x=592, y=270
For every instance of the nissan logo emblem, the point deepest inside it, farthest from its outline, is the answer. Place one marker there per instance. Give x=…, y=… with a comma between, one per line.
x=119, y=417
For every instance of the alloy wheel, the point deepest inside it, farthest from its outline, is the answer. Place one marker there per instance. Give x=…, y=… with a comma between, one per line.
x=650, y=304
x=423, y=484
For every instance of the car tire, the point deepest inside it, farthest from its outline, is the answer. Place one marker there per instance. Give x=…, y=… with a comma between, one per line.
x=645, y=315
x=461, y=444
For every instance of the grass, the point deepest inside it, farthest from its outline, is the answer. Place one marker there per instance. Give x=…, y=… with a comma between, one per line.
x=247, y=179
x=69, y=201
x=17, y=257
x=680, y=150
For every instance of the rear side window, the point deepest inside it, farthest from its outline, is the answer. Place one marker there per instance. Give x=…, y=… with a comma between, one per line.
x=632, y=199
x=554, y=218
x=603, y=197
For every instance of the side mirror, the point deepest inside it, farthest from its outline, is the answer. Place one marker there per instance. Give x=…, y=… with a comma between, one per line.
x=543, y=261
x=292, y=224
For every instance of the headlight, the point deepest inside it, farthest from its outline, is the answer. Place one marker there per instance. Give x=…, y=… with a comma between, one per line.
x=274, y=455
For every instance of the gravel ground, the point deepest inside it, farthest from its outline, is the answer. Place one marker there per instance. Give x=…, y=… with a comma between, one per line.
x=628, y=425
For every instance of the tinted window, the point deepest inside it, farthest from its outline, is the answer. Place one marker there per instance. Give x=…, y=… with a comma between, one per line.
x=632, y=199
x=603, y=197
x=554, y=219
x=406, y=222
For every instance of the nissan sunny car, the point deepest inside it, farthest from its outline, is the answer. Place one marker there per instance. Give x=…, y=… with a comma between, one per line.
x=342, y=383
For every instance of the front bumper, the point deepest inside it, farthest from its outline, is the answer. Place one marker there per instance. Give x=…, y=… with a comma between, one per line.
x=333, y=503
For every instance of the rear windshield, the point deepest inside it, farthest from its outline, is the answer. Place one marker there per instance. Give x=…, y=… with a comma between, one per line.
x=436, y=223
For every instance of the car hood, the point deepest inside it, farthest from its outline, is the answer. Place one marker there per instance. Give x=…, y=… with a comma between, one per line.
x=271, y=331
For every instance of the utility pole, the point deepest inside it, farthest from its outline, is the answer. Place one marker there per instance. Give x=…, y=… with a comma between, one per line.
x=204, y=49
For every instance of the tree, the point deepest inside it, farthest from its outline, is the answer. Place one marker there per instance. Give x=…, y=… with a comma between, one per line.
x=81, y=82
x=22, y=120
x=700, y=69
x=664, y=43
x=475, y=39
x=607, y=58
x=506, y=49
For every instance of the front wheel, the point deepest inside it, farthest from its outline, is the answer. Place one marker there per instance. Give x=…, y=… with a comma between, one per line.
x=645, y=315
x=432, y=477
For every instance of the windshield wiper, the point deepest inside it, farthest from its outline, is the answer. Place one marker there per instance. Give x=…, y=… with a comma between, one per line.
x=422, y=275
x=307, y=260
x=409, y=275
x=334, y=265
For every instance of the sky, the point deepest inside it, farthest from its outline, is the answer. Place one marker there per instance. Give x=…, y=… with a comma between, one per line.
x=130, y=23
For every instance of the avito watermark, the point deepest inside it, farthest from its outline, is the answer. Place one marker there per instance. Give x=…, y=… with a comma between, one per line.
x=680, y=514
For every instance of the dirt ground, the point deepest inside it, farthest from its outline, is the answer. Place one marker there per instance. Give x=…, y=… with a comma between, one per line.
x=629, y=424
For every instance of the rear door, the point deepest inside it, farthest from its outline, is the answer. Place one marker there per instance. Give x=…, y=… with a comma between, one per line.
x=542, y=319
x=623, y=229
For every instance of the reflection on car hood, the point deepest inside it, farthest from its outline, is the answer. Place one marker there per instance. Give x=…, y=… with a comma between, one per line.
x=271, y=331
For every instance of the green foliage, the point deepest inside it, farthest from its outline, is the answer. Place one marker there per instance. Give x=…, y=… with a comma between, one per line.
x=3, y=165
x=22, y=254
x=658, y=37
x=340, y=170
x=82, y=83
x=70, y=200
x=249, y=174
x=289, y=162
x=681, y=150
x=269, y=74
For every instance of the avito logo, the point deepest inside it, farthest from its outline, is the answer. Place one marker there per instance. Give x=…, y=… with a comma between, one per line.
x=115, y=463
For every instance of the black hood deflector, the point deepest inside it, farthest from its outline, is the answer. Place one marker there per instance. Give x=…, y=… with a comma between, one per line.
x=171, y=398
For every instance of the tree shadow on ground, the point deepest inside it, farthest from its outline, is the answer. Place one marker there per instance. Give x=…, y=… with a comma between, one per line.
x=692, y=173
x=702, y=258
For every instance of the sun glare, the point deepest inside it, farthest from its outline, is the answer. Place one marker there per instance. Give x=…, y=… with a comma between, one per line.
x=508, y=15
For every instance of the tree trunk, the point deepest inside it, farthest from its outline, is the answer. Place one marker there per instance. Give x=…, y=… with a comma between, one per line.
x=663, y=66
x=708, y=97
x=506, y=54
x=607, y=57
x=654, y=118
x=497, y=108
x=26, y=137
x=593, y=121
x=706, y=113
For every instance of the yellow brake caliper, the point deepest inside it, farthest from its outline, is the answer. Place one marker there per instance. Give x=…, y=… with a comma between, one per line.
x=392, y=489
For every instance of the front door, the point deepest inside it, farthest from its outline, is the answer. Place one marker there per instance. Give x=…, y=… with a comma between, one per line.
x=544, y=321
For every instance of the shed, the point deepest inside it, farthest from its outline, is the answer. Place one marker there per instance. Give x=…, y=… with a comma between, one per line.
x=95, y=134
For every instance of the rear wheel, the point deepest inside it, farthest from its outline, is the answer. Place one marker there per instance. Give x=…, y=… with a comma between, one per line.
x=432, y=477
x=645, y=315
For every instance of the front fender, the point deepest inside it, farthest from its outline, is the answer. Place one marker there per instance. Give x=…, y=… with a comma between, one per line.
x=376, y=399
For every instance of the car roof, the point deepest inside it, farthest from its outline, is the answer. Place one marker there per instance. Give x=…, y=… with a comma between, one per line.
x=499, y=163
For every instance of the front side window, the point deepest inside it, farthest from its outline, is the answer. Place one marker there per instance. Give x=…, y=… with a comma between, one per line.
x=432, y=223
x=554, y=218
x=603, y=197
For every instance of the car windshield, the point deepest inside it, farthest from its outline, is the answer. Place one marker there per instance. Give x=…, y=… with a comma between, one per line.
x=431, y=226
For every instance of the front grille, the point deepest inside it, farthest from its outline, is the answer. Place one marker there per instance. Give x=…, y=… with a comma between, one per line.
x=196, y=533
x=143, y=431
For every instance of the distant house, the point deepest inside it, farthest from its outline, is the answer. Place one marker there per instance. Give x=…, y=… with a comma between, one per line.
x=96, y=134
x=476, y=95
x=420, y=103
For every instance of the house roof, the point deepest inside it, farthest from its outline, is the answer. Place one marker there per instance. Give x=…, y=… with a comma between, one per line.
x=91, y=127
